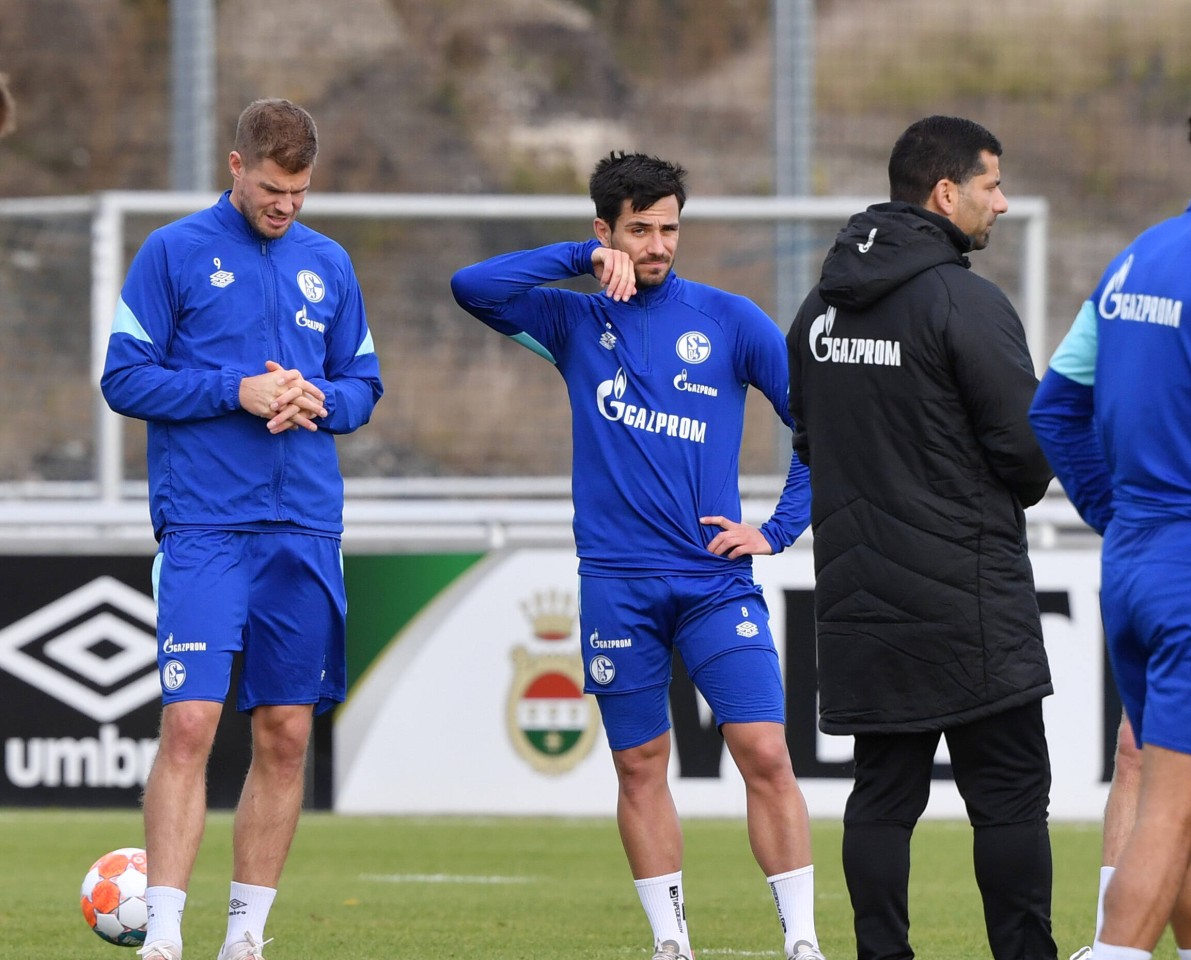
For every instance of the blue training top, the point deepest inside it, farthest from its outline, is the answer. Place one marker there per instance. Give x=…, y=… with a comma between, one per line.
x=206, y=302
x=657, y=387
x=1113, y=412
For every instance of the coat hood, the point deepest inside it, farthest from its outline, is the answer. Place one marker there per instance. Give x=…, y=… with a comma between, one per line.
x=883, y=247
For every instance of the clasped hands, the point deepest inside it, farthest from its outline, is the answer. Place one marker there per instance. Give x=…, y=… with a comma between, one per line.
x=283, y=397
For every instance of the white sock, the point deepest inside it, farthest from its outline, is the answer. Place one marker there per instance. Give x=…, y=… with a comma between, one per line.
x=1184, y=953
x=1105, y=875
x=1106, y=951
x=665, y=908
x=165, y=914
x=794, y=894
x=247, y=911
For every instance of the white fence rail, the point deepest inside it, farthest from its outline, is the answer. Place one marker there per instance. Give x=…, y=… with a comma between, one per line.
x=467, y=512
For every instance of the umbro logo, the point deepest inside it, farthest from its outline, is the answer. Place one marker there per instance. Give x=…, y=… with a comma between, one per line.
x=221, y=277
x=94, y=649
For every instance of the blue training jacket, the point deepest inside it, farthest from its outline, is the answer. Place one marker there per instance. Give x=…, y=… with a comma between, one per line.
x=657, y=387
x=1113, y=412
x=206, y=302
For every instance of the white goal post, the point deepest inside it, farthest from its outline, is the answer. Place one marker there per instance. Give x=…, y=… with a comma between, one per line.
x=112, y=207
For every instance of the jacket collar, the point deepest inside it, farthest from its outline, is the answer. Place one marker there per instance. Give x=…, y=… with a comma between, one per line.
x=881, y=248
x=231, y=218
x=651, y=296
x=960, y=240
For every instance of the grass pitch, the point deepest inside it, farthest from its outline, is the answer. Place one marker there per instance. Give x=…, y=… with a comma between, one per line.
x=401, y=888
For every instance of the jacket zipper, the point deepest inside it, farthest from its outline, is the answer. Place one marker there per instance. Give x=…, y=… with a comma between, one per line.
x=271, y=319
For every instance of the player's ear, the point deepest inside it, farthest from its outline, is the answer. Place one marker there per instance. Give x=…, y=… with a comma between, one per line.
x=235, y=163
x=603, y=231
x=943, y=197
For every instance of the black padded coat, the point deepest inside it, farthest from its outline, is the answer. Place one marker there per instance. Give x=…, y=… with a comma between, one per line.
x=910, y=381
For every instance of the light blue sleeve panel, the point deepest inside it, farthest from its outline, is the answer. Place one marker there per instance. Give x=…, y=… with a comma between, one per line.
x=126, y=322
x=137, y=380
x=350, y=374
x=531, y=344
x=1075, y=357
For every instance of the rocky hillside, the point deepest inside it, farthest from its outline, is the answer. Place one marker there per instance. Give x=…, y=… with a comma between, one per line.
x=522, y=96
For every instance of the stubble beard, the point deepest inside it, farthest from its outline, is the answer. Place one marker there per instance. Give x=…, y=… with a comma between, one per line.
x=645, y=279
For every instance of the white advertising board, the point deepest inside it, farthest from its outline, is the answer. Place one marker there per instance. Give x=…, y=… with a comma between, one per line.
x=474, y=708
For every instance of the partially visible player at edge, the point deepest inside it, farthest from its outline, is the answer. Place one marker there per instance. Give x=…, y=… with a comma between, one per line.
x=1113, y=414
x=657, y=369
x=240, y=337
x=8, y=110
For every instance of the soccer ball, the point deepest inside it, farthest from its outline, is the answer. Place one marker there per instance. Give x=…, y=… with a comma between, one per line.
x=113, y=897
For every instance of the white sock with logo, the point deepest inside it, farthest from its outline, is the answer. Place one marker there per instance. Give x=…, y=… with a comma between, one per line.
x=247, y=910
x=794, y=894
x=664, y=906
x=165, y=914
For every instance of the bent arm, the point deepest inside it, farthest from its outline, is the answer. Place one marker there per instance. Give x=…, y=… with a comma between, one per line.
x=506, y=292
x=792, y=515
x=769, y=369
x=1063, y=417
x=137, y=383
x=351, y=379
x=996, y=379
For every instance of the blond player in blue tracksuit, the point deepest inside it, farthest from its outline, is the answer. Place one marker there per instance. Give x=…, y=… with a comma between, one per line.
x=657, y=369
x=240, y=338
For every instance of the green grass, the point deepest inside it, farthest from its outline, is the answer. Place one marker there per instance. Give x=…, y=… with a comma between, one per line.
x=381, y=888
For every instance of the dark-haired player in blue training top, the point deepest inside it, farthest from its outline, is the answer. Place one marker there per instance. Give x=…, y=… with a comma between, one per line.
x=657, y=369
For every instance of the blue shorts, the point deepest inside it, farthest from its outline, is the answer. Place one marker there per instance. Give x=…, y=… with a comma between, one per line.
x=720, y=627
x=1145, y=602
x=277, y=598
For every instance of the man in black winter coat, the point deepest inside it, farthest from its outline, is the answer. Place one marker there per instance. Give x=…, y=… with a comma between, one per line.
x=910, y=384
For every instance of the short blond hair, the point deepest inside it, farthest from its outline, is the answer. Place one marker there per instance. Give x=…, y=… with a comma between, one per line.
x=8, y=109
x=277, y=130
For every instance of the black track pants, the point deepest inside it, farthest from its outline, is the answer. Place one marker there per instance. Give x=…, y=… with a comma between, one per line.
x=1002, y=769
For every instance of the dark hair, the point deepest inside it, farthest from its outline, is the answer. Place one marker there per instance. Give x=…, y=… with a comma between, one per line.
x=277, y=130
x=937, y=148
x=636, y=177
